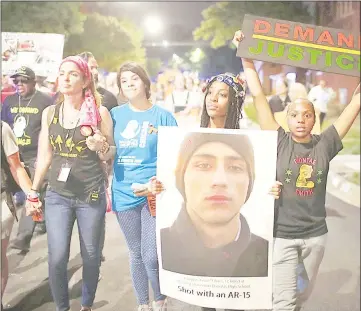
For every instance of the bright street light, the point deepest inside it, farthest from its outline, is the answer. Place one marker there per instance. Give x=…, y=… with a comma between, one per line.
x=153, y=24
x=165, y=43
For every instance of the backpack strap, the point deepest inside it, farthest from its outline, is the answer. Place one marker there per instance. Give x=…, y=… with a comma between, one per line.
x=53, y=114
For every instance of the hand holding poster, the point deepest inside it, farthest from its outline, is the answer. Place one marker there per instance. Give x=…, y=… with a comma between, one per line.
x=215, y=218
x=42, y=52
x=300, y=45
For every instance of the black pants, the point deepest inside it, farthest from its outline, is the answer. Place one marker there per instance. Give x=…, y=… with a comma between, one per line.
x=25, y=231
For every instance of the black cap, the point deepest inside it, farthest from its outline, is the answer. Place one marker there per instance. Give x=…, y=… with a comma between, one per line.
x=25, y=72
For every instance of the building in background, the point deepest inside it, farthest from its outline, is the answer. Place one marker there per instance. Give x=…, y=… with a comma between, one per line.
x=337, y=14
x=342, y=15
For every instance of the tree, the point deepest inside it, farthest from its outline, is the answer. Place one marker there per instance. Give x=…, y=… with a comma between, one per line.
x=222, y=19
x=110, y=40
x=154, y=66
x=44, y=17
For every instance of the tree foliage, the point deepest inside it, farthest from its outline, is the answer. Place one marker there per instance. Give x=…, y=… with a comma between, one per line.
x=110, y=40
x=154, y=66
x=222, y=19
x=44, y=17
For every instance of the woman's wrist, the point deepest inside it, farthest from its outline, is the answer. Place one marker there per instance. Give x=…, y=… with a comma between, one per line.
x=104, y=149
x=32, y=194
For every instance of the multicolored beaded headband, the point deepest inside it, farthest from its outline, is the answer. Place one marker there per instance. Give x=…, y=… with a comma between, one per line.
x=235, y=82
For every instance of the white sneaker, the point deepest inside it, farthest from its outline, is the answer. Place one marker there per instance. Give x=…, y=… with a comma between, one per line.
x=143, y=308
x=159, y=307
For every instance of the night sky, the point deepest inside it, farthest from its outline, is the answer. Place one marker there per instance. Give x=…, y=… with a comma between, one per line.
x=179, y=19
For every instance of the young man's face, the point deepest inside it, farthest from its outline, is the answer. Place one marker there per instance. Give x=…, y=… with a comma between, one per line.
x=216, y=183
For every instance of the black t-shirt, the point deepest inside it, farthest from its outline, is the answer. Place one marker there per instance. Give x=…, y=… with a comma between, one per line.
x=108, y=98
x=302, y=168
x=184, y=252
x=24, y=117
x=69, y=146
x=277, y=104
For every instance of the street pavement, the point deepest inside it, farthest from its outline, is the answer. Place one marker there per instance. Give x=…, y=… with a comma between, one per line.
x=337, y=287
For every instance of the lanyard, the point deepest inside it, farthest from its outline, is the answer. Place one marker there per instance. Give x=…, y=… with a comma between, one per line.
x=31, y=98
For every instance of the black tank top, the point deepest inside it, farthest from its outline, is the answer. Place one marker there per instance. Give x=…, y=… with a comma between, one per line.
x=69, y=147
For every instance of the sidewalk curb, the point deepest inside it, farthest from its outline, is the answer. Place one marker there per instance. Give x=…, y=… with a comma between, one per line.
x=342, y=189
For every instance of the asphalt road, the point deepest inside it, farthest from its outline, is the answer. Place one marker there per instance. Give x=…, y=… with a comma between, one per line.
x=337, y=288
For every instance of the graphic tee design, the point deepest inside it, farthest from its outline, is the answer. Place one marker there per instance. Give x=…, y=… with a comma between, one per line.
x=306, y=179
x=136, y=138
x=24, y=116
x=303, y=168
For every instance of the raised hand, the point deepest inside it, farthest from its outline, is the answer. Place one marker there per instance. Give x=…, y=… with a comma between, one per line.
x=238, y=37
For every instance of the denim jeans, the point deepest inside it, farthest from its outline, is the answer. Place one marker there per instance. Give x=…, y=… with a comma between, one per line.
x=138, y=227
x=286, y=269
x=60, y=217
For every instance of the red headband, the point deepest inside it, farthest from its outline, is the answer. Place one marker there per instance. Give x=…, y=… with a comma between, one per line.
x=90, y=116
x=81, y=64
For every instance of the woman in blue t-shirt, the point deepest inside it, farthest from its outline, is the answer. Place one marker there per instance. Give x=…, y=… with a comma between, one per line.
x=303, y=160
x=136, y=134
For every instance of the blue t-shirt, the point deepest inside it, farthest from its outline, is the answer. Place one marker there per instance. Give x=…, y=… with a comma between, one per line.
x=136, y=138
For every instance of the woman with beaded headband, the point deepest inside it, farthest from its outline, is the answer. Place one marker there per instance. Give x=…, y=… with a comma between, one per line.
x=76, y=136
x=222, y=108
x=223, y=101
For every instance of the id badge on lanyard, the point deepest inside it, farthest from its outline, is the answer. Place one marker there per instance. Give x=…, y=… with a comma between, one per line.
x=64, y=172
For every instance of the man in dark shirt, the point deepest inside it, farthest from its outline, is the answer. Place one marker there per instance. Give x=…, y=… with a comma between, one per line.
x=23, y=111
x=279, y=101
x=108, y=98
x=215, y=176
x=109, y=101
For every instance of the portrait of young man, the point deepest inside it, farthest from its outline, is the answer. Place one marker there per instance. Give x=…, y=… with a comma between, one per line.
x=215, y=175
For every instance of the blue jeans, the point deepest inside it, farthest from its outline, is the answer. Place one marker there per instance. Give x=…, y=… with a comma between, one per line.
x=138, y=227
x=61, y=213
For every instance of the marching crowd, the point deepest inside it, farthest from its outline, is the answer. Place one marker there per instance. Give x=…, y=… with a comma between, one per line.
x=78, y=153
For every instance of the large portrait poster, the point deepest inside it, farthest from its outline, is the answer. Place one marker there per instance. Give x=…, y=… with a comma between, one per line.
x=42, y=52
x=215, y=217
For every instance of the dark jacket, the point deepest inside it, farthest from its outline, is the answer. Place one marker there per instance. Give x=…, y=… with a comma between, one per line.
x=109, y=100
x=183, y=252
x=277, y=104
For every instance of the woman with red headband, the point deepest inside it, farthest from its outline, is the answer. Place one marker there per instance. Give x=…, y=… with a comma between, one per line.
x=76, y=136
